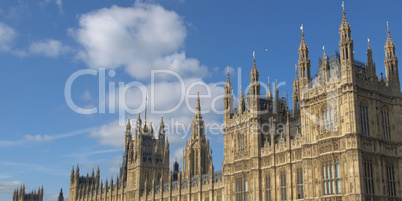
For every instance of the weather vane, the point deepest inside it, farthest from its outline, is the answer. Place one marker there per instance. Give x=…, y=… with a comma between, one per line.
x=228, y=70
x=301, y=28
x=254, y=55
x=387, y=26
x=343, y=5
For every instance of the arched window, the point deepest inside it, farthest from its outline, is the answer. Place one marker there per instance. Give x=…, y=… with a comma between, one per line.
x=385, y=126
x=364, y=119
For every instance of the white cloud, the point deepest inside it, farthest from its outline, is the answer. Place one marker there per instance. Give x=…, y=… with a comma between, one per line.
x=49, y=48
x=38, y=138
x=110, y=134
x=9, y=186
x=139, y=38
x=7, y=34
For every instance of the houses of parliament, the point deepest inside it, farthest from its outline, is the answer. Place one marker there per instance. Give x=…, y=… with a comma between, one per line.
x=341, y=141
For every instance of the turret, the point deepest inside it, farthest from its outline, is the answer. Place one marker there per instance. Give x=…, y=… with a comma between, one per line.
x=303, y=62
x=161, y=132
x=391, y=63
x=276, y=103
x=268, y=96
x=198, y=122
x=370, y=65
x=295, y=95
x=254, y=89
x=324, y=67
x=72, y=176
x=241, y=106
x=228, y=98
x=138, y=126
x=61, y=197
x=346, y=50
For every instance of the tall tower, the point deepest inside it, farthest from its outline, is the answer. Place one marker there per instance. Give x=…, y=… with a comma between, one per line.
x=303, y=62
x=127, y=142
x=148, y=158
x=197, y=157
x=391, y=64
x=346, y=50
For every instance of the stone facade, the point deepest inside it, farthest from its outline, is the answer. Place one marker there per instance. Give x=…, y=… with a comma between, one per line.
x=341, y=141
x=20, y=195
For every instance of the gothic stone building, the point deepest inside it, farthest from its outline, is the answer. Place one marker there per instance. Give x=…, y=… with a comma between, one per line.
x=20, y=195
x=341, y=141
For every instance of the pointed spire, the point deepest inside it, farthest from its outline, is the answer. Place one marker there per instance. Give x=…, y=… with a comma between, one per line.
x=151, y=128
x=227, y=73
x=370, y=66
x=128, y=127
x=344, y=13
x=269, y=93
x=344, y=25
x=388, y=32
x=198, y=107
x=389, y=43
x=391, y=64
x=254, y=74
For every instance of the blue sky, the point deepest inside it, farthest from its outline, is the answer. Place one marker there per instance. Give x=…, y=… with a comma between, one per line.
x=43, y=43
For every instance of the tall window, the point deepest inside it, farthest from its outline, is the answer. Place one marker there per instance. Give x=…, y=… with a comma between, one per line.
x=241, y=189
x=391, y=180
x=368, y=177
x=241, y=142
x=300, y=190
x=364, y=121
x=331, y=177
x=268, y=188
x=328, y=118
x=283, y=186
x=385, y=124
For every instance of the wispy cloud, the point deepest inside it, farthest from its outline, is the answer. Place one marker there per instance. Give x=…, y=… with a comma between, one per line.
x=75, y=155
x=43, y=138
x=58, y=3
x=48, y=48
x=9, y=186
x=7, y=35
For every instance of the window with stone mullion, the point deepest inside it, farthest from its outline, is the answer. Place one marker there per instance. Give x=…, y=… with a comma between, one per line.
x=268, y=188
x=300, y=190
